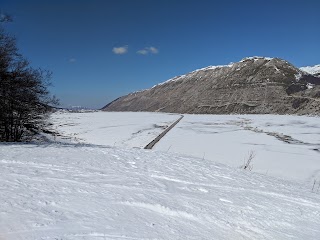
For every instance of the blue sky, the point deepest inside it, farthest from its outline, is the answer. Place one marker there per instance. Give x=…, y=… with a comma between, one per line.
x=100, y=50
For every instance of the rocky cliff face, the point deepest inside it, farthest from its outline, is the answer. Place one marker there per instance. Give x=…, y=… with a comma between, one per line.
x=253, y=85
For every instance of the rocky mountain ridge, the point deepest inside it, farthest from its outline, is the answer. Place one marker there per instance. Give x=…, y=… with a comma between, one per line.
x=256, y=85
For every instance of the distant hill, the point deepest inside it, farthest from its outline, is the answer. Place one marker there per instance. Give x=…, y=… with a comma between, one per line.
x=256, y=85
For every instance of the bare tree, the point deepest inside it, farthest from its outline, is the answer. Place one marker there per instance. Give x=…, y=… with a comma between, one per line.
x=4, y=17
x=24, y=95
x=248, y=165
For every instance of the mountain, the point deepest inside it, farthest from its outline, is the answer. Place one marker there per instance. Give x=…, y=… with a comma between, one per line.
x=256, y=85
x=315, y=70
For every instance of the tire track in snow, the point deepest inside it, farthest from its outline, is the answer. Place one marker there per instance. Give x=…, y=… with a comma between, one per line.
x=157, y=139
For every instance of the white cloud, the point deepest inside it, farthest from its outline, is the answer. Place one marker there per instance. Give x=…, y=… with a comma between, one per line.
x=147, y=50
x=120, y=50
x=143, y=52
x=153, y=50
x=72, y=60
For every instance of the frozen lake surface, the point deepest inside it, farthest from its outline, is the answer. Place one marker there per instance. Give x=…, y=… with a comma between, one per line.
x=120, y=129
x=284, y=146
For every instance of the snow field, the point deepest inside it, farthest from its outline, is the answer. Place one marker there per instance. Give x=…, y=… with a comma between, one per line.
x=122, y=129
x=81, y=192
x=284, y=146
x=181, y=190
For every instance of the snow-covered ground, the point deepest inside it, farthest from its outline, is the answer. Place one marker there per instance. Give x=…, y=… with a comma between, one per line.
x=180, y=190
x=70, y=192
x=124, y=129
x=284, y=146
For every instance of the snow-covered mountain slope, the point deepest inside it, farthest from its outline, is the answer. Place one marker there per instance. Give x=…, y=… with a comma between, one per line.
x=315, y=70
x=71, y=192
x=214, y=67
